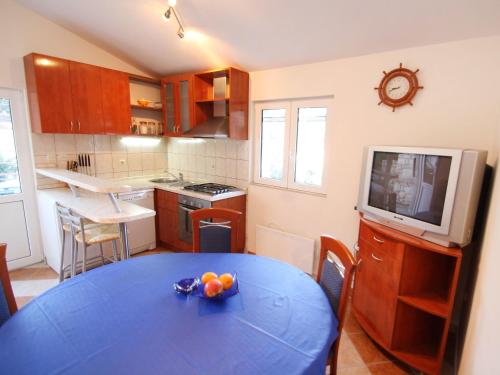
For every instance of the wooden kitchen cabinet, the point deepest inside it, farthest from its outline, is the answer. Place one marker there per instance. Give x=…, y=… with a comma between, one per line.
x=404, y=293
x=49, y=94
x=167, y=221
x=86, y=96
x=178, y=104
x=71, y=97
x=115, y=101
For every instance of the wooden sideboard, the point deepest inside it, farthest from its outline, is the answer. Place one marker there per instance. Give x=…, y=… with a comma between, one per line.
x=404, y=293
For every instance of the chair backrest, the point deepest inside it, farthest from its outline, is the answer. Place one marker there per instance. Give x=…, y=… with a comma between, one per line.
x=215, y=230
x=335, y=275
x=8, y=304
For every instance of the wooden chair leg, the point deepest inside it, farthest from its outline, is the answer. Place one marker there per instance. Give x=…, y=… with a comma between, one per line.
x=115, y=251
x=102, y=253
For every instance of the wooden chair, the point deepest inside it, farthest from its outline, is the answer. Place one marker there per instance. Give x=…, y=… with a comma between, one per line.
x=8, y=304
x=335, y=276
x=215, y=236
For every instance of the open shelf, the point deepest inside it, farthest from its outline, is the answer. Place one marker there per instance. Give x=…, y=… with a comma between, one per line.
x=427, y=279
x=418, y=336
x=212, y=100
x=136, y=106
x=428, y=303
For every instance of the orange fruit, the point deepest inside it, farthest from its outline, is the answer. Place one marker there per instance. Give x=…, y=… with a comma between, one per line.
x=226, y=280
x=213, y=288
x=207, y=276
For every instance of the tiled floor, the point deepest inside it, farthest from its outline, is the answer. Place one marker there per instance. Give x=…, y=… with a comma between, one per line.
x=358, y=355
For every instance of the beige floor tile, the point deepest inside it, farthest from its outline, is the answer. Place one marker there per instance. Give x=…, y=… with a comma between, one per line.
x=21, y=301
x=387, y=368
x=369, y=352
x=348, y=355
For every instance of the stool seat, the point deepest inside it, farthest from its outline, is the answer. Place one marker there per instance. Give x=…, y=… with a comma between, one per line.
x=86, y=222
x=98, y=233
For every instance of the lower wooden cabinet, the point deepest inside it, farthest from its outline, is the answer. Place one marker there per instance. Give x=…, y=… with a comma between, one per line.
x=404, y=293
x=167, y=219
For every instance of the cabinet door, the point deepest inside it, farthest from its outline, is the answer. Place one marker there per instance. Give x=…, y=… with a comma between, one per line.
x=115, y=102
x=376, y=287
x=86, y=92
x=169, y=107
x=49, y=94
x=178, y=104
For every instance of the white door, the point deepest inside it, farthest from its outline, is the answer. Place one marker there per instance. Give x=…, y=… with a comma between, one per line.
x=18, y=211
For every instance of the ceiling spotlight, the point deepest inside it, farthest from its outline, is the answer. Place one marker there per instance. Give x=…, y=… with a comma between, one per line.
x=167, y=14
x=180, y=33
x=172, y=3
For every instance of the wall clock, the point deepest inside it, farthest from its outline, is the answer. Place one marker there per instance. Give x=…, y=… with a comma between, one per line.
x=398, y=87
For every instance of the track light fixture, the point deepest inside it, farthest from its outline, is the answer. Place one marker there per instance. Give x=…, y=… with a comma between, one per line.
x=168, y=14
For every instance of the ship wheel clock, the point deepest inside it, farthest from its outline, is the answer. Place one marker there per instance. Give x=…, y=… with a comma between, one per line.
x=398, y=87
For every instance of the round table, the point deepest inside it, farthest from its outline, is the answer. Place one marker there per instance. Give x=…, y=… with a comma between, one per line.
x=125, y=318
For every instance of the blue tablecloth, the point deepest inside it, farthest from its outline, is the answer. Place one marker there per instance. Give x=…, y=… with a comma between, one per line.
x=125, y=318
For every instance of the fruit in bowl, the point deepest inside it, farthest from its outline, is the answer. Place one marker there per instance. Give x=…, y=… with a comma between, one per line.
x=226, y=280
x=143, y=102
x=213, y=288
x=207, y=276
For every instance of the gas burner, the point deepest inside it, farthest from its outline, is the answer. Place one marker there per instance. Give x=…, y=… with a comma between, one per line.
x=210, y=188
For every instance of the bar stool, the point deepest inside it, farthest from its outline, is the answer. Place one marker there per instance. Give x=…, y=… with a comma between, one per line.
x=87, y=235
x=65, y=225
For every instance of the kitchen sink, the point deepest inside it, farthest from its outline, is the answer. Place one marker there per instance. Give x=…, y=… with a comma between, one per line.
x=164, y=180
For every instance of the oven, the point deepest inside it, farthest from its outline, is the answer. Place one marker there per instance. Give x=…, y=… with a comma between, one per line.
x=187, y=204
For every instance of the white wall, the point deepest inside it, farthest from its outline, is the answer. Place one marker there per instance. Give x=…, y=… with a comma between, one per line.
x=24, y=32
x=459, y=107
x=482, y=340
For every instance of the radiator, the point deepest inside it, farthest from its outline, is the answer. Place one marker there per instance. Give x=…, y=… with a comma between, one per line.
x=286, y=247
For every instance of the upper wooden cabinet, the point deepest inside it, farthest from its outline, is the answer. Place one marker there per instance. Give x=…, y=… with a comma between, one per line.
x=49, y=94
x=86, y=94
x=115, y=101
x=191, y=99
x=71, y=97
x=178, y=104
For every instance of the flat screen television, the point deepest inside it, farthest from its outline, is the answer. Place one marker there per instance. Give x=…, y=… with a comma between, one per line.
x=427, y=192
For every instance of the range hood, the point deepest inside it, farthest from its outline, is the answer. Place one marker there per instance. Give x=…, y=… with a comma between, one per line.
x=215, y=127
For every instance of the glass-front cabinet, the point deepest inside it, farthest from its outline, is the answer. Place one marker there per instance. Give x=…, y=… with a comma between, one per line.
x=178, y=104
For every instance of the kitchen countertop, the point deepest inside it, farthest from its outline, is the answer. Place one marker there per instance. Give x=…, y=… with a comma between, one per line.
x=90, y=183
x=97, y=206
x=141, y=183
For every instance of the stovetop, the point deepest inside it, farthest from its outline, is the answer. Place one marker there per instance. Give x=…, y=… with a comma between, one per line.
x=210, y=188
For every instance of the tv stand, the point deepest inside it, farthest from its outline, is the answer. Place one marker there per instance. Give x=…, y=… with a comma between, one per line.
x=404, y=293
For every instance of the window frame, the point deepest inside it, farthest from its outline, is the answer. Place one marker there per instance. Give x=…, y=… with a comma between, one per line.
x=259, y=107
x=292, y=107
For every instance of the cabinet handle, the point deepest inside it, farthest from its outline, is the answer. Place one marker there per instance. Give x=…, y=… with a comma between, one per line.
x=376, y=258
x=71, y=125
x=78, y=122
x=358, y=264
x=378, y=239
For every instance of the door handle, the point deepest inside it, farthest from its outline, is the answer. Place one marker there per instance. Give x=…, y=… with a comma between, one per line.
x=376, y=258
x=186, y=209
x=378, y=240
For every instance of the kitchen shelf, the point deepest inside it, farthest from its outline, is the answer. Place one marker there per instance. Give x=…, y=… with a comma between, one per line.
x=212, y=100
x=432, y=304
x=135, y=106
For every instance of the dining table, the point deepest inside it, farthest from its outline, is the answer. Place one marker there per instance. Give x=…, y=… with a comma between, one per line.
x=126, y=318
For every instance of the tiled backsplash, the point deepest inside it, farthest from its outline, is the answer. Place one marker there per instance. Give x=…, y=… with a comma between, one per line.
x=222, y=161
x=109, y=156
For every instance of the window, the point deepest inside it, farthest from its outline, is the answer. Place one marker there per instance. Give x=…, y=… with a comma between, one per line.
x=9, y=174
x=290, y=146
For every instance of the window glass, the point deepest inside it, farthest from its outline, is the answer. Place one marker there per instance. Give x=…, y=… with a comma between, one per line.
x=272, y=143
x=311, y=125
x=9, y=175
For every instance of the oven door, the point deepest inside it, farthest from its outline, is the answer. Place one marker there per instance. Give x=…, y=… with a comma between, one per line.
x=185, y=225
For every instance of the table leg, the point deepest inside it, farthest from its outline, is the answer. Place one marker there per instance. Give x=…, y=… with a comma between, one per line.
x=124, y=235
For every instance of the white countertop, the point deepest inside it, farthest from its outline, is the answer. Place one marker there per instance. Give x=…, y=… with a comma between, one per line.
x=140, y=183
x=97, y=207
x=90, y=183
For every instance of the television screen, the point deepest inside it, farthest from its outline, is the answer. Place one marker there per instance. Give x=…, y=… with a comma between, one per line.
x=412, y=185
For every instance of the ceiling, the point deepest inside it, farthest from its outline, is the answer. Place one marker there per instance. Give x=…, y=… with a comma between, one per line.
x=262, y=34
